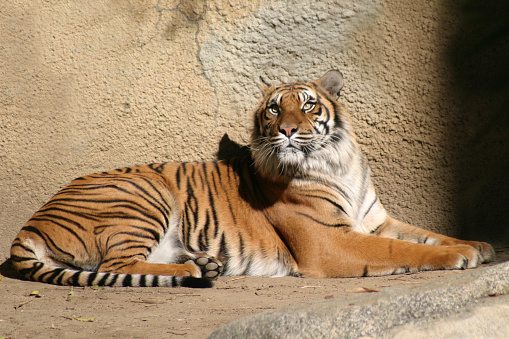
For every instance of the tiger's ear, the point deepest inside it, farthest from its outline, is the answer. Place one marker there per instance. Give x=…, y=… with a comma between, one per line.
x=265, y=85
x=332, y=81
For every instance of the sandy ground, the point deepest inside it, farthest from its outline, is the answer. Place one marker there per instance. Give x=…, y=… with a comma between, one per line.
x=36, y=310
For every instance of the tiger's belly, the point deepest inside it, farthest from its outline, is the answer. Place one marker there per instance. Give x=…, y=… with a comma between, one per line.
x=169, y=248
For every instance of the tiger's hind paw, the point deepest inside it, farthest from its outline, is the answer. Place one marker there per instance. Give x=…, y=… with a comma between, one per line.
x=210, y=267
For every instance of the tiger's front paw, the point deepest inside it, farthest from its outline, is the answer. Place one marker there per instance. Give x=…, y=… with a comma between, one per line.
x=486, y=250
x=210, y=267
x=455, y=257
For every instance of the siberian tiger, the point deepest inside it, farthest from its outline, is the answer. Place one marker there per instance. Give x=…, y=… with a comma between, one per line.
x=301, y=204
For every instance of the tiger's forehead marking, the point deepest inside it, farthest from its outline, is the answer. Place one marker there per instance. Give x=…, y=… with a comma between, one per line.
x=295, y=92
x=306, y=95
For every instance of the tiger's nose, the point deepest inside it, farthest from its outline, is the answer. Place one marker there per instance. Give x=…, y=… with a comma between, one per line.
x=288, y=130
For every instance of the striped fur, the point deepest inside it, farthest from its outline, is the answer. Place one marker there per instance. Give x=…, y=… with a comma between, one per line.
x=301, y=204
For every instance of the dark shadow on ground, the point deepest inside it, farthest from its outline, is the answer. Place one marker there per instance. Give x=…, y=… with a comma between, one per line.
x=7, y=270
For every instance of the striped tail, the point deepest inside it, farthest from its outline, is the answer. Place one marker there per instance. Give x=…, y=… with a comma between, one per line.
x=35, y=270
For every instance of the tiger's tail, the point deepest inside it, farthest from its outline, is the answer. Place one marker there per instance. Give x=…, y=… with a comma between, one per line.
x=27, y=264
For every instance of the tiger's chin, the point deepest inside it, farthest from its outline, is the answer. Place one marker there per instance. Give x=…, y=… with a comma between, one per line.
x=290, y=156
x=281, y=164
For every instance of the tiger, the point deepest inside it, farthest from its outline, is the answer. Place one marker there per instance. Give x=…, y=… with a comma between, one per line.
x=300, y=203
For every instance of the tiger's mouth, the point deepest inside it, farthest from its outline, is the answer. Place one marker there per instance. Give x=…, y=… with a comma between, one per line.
x=297, y=146
x=287, y=146
x=288, y=149
x=290, y=153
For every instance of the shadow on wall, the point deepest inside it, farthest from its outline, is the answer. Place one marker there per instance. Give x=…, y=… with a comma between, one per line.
x=480, y=59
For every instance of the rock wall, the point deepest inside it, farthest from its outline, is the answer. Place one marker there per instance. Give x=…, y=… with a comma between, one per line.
x=92, y=86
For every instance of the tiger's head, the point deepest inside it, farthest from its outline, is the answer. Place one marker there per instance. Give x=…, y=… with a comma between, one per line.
x=300, y=127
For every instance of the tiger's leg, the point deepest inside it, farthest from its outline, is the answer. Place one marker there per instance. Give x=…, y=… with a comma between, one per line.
x=342, y=252
x=199, y=266
x=393, y=228
x=135, y=265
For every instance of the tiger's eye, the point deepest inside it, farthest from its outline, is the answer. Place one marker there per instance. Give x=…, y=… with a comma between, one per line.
x=308, y=106
x=274, y=109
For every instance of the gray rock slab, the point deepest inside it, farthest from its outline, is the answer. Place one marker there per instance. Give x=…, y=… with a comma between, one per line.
x=471, y=305
x=487, y=319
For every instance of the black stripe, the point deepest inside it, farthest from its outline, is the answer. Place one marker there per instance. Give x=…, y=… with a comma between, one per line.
x=143, y=282
x=30, y=272
x=154, y=233
x=50, y=276
x=159, y=168
x=127, y=281
x=328, y=200
x=164, y=207
x=223, y=253
x=155, y=281
x=103, y=280
x=134, y=234
x=91, y=278
x=373, y=231
x=283, y=239
x=214, y=212
x=18, y=244
x=49, y=240
x=365, y=271
x=60, y=277
x=192, y=176
x=321, y=222
x=243, y=258
x=59, y=217
x=90, y=187
x=98, y=215
x=153, y=202
x=33, y=230
x=113, y=280
x=178, y=176
x=186, y=225
x=203, y=240
x=74, y=279
x=87, y=216
x=117, y=215
x=16, y=258
x=370, y=207
x=145, y=247
x=365, y=183
x=217, y=170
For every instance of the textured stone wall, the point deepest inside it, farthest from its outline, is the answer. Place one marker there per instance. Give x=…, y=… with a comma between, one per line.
x=88, y=86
